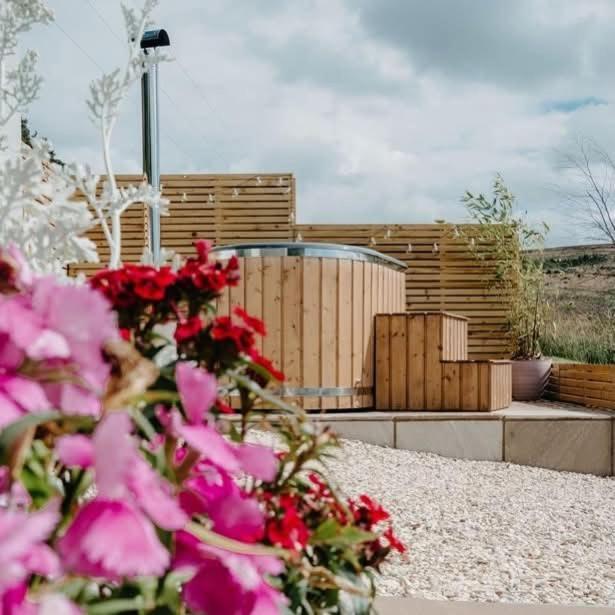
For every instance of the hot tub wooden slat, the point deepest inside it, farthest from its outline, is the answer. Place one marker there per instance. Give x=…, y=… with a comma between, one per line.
x=356, y=315
x=310, y=338
x=346, y=330
x=237, y=296
x=328, y=330
x=254, y=291
x=367, y=351
x=291, y=319
x=272, y=308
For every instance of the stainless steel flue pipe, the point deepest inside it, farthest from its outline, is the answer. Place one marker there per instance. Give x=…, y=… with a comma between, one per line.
x=151, y=135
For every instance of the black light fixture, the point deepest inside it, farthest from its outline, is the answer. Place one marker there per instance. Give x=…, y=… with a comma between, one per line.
x=151, y=137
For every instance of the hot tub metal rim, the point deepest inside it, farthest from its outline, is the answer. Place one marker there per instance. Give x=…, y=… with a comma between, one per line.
x=309, y=250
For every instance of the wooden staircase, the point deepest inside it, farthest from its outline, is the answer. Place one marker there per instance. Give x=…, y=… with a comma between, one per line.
x=422, y=364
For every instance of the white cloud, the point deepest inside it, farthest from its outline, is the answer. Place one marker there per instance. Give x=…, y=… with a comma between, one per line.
x=386, y=110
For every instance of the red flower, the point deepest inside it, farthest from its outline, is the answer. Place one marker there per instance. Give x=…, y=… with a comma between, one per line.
x=150, y=283
x=393, y=541
x=116, y=286
x=368, y=513
x=126, y=334
x=210, y=277
x=123, y=286
x=256, y=324
x=203, y=248
x=289, y=531
x=187, y=329
x=223, y=407
x=258, y=359
x=223, y=329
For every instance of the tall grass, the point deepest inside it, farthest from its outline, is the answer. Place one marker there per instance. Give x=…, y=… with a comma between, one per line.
x=584, y=338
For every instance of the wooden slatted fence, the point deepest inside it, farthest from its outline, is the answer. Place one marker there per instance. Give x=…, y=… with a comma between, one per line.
x=224, y=208
x=580, y=383
x=443, y=274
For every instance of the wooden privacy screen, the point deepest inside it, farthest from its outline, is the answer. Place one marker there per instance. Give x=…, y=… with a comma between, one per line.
x=443, y=274
x=224, y=208
x=581, y=383
x=230, y=208
x=421, y=364
x=319, y=314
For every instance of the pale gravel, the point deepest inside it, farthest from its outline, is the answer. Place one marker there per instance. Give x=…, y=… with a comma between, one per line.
x=488, y=531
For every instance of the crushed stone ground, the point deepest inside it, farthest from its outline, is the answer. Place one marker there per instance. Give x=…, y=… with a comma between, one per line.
x=488, y=531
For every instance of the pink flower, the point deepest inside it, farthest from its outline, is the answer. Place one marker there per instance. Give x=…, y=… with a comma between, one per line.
x=254, y=459
x=258, y=461
x=198, y=391
x=130, y=495
x=59, y=328
x=19, y=395
x=111, y=539
x=75, y=450
x=212, y=445
x=26, y=329
x=215, y=494
x=225, y=582
x=22, y=547
x=81, y=315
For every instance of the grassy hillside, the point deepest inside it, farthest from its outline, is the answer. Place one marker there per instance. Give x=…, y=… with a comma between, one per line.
x=581, y=294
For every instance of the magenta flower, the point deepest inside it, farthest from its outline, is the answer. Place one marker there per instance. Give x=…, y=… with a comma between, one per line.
x=58, y=328
x=26, y=329
x=22, y=547
x=225, y=582
x=258, y=461
x=130, y=495
x=214, y=493
x=19, y=395
x=76, y=450
x=111, y=539
x=198, y=391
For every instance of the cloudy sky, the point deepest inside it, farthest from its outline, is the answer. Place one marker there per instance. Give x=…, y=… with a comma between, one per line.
x=385, y=110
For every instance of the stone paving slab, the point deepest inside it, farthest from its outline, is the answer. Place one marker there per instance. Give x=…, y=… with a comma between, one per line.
x=545, y=434
x=417, y=606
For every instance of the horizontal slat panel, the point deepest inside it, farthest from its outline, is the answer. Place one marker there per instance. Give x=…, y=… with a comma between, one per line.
x=580, y=383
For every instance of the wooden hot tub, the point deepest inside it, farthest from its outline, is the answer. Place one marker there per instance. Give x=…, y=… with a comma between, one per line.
x=318, y=302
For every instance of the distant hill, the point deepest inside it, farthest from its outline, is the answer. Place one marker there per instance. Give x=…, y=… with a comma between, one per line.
x=581, y=291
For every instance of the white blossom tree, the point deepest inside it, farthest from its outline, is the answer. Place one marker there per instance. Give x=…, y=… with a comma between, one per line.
x=44, y=208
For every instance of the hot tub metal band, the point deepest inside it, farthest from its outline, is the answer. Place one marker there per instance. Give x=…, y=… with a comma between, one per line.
x=317, y=391
x=309, y=250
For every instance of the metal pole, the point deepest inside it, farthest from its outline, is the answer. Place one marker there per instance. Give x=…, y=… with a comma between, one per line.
x=151, y=152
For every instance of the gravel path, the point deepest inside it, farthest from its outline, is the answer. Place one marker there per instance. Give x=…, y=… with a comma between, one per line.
x=485, y=531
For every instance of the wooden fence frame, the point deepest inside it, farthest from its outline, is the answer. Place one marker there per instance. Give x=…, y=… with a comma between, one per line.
x=592, y=386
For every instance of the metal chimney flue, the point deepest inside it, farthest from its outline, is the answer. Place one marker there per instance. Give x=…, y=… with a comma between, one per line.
x=151, y=136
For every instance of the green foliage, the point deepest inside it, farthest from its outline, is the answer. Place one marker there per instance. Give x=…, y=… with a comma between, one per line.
x=505, y=237
x=562, y=264
x=582, y=338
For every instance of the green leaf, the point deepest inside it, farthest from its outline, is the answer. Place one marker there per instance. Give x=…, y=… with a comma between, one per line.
x=170, y=593
x=327, y=530
x=330, y=532
x=9, y=437
x=122, y=605
x=235, y=546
